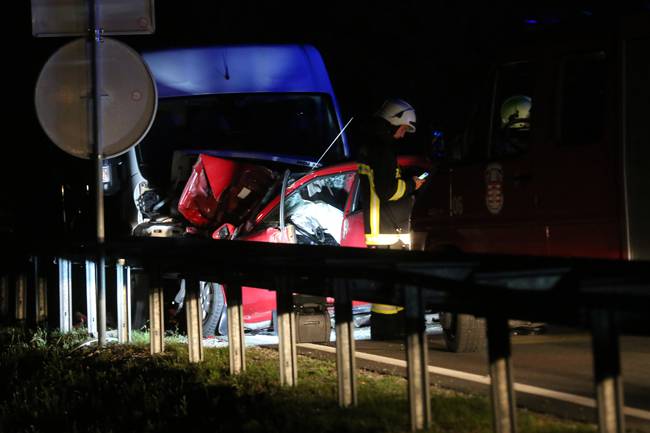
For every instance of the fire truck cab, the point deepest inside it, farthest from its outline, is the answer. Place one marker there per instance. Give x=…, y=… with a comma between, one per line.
x=554, y=159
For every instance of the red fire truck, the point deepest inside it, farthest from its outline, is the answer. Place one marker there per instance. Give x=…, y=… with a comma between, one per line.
x=554, y=159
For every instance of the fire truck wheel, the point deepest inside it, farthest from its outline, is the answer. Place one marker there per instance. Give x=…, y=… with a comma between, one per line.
x=463, y=332
x=213, y=303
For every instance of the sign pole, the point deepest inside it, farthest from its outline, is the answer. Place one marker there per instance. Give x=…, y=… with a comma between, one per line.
x=90, y=56
x=94, y=41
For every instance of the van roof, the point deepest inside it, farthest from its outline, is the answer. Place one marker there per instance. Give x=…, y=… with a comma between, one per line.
x=238, y=69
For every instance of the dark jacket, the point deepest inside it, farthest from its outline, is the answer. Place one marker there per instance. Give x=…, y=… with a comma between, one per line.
x=385, y=195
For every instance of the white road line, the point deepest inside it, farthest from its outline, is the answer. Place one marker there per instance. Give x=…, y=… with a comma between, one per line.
x=485, y=379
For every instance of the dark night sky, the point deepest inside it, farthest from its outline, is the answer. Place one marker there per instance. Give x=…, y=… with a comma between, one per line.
x=415, y=49
x=373, y=49
x=431, y=53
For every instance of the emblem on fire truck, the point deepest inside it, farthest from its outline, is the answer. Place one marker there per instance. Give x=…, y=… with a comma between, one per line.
x=494, y=188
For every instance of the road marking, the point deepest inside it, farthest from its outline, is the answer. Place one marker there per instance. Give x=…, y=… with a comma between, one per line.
x=553, y=339
x=485, y=379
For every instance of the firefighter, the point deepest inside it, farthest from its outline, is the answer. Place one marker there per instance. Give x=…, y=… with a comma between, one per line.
x=386, y=196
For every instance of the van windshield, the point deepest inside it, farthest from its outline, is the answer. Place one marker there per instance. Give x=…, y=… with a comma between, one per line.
x=287, y=124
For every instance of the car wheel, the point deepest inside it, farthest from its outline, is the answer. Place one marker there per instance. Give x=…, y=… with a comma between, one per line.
x=463, y=332
x=213, y=303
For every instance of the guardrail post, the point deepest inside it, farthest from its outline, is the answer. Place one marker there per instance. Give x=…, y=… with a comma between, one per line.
x=417, y=359
x=4, y=297
x=156, y=313
x=41, y=295
x=101, y=298
x=503, y=396
x=286, y=334
x=607, y=373
x=65, y=295
x=123, y=283
x=345, y=361
x=91, y=297
x=21, y=294
x=235, y=315
x=31, y=295
x=194, y=320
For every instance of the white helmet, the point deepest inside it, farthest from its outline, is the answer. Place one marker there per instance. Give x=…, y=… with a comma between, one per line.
x=398, y=112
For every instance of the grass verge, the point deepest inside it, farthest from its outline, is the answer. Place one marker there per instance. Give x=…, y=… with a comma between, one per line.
x=49, y=383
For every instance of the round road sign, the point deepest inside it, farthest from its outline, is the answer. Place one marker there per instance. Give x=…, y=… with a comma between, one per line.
x=127, y=103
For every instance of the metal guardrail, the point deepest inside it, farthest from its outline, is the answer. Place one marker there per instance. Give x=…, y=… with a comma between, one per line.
x=591, y=293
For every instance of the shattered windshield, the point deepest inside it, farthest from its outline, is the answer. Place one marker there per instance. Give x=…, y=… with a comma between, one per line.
x=316, y=209
x=278, y=123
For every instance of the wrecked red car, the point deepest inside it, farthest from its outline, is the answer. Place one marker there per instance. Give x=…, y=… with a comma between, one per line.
x=227, y=199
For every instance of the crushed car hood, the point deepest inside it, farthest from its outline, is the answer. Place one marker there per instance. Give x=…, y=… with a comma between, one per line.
x=222, y=191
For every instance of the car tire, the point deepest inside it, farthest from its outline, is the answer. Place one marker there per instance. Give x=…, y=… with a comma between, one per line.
x=463, y=332
x=213, y=304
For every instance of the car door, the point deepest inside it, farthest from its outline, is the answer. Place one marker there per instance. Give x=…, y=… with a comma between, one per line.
x=353, y=230
x=315, y=209
x=485, y=199
x=500, y=214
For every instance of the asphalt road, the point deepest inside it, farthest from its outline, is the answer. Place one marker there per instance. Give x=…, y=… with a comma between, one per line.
x=559, y=360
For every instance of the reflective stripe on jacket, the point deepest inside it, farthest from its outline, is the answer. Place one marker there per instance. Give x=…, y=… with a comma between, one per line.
x=375, y=236
x=387, y=239
x=385, y=309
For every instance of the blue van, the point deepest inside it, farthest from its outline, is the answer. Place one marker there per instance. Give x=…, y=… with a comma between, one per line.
x=270, y=101
x=273, y=104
